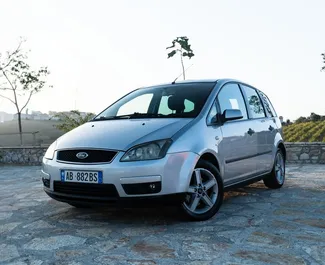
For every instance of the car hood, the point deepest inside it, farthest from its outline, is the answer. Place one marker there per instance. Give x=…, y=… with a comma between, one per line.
x=120, y=134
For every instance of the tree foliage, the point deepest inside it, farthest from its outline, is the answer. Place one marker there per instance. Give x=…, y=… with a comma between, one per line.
x=323, y=55
x=288, y=122
x=312, y=117
x=18, y=81
x=181, y=45
x=72, y=120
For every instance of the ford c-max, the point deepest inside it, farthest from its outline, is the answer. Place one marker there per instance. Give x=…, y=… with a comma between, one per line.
x=185, y=142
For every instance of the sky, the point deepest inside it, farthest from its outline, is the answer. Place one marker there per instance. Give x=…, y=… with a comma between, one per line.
x=97, y=51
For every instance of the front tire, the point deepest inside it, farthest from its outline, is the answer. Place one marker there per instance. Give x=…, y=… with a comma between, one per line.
x=276, y=178
x=205, y=192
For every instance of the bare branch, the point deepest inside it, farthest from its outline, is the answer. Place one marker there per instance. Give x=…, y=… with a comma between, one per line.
x=8, y=99
x=29, y=97
x=11, y=55
x=5, y=88
x=5, y=75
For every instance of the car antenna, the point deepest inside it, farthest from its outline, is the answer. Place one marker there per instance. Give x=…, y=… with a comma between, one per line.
x=181, y=74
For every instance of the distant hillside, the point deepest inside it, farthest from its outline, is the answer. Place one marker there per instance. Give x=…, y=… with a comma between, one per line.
x=297, y=132
x=305, y=132
x=47, y=133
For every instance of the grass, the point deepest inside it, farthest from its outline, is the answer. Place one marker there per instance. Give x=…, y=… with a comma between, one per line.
x=47, y=133
x=305, y=132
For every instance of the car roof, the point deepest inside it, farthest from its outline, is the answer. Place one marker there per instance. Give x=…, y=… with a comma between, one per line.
x=223, y=80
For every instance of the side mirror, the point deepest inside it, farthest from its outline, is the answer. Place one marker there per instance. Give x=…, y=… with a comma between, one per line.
x=231, y=114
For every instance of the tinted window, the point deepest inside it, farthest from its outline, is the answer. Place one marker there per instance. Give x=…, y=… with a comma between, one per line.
x=175, y=100
x=165, y=110
x=268, y=105
x=230, y=97
x=141, y=104
x=189, y=105
x=163, y=107
x=254, y=103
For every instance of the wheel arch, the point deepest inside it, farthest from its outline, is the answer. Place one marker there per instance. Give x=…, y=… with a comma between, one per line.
x=210, y=157
x=281, y=146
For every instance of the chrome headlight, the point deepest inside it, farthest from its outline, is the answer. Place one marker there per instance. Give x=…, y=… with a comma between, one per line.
x=50, y=151
x=147, y=151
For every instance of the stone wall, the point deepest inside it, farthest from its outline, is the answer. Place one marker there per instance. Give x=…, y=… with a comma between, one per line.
x=309, y=153
x=22, y=155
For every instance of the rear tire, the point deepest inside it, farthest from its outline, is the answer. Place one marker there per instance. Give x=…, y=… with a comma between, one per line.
x=276, y=178
x=205, y=193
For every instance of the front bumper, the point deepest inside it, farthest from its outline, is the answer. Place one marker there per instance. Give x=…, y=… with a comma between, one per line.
x=170, y=199
x=124, y=180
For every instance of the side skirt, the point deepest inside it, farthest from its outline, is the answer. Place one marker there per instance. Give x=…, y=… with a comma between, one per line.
x=245, y=182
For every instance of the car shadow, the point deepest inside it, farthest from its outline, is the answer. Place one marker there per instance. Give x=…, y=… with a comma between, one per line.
x=116, y=214
x=139, y=215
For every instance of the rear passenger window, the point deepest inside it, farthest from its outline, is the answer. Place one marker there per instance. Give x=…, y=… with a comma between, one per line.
x=163, y=106
x=230, y=97
x=189, y=105
x=268, y=105
x=254, y=103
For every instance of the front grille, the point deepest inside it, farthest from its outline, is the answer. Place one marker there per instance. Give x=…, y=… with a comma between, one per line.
x=94, y=156
x=86, y=189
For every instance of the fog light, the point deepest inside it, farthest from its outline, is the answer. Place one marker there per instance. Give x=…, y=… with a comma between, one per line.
x=46, y=182
x=46, y=179
x=142, y=188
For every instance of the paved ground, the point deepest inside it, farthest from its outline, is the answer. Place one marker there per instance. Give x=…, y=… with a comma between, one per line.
x=254, y=226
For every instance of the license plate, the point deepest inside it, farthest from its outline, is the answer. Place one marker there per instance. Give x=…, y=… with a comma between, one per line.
x=82, y=176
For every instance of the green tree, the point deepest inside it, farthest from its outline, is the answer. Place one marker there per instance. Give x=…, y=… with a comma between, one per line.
x=181, y=46
x=301, y=120
x=315, y=117
x=18, y=81
x=72, y=119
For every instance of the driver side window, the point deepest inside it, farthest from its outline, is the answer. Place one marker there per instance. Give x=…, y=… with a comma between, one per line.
x=230, y=97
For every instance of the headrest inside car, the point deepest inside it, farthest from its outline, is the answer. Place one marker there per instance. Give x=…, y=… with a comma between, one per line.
x=176, y=103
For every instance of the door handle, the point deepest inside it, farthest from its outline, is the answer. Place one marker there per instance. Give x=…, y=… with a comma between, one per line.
x=271, y=128
x=250, y=132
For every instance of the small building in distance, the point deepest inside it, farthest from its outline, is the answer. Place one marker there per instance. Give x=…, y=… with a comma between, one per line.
x=35, y=115
x=4, y=116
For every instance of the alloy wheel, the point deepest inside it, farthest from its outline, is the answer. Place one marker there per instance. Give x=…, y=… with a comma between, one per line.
x=279, y=168
x=202, y=192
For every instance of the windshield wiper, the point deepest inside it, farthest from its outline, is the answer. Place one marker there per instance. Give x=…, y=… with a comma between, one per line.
x=130, y=116
x=146, y=115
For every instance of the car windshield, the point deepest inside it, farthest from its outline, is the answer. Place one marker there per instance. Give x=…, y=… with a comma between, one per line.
x=170, y=101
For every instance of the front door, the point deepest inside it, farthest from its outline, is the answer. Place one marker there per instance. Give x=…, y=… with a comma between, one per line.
x=238, y=146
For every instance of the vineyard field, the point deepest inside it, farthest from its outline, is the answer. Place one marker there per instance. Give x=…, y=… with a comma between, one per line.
x=305, y=132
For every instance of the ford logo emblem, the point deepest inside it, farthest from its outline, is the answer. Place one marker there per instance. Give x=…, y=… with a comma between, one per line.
x=82, y=155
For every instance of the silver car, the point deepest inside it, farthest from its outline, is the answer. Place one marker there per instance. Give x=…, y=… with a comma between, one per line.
x=185, y=143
